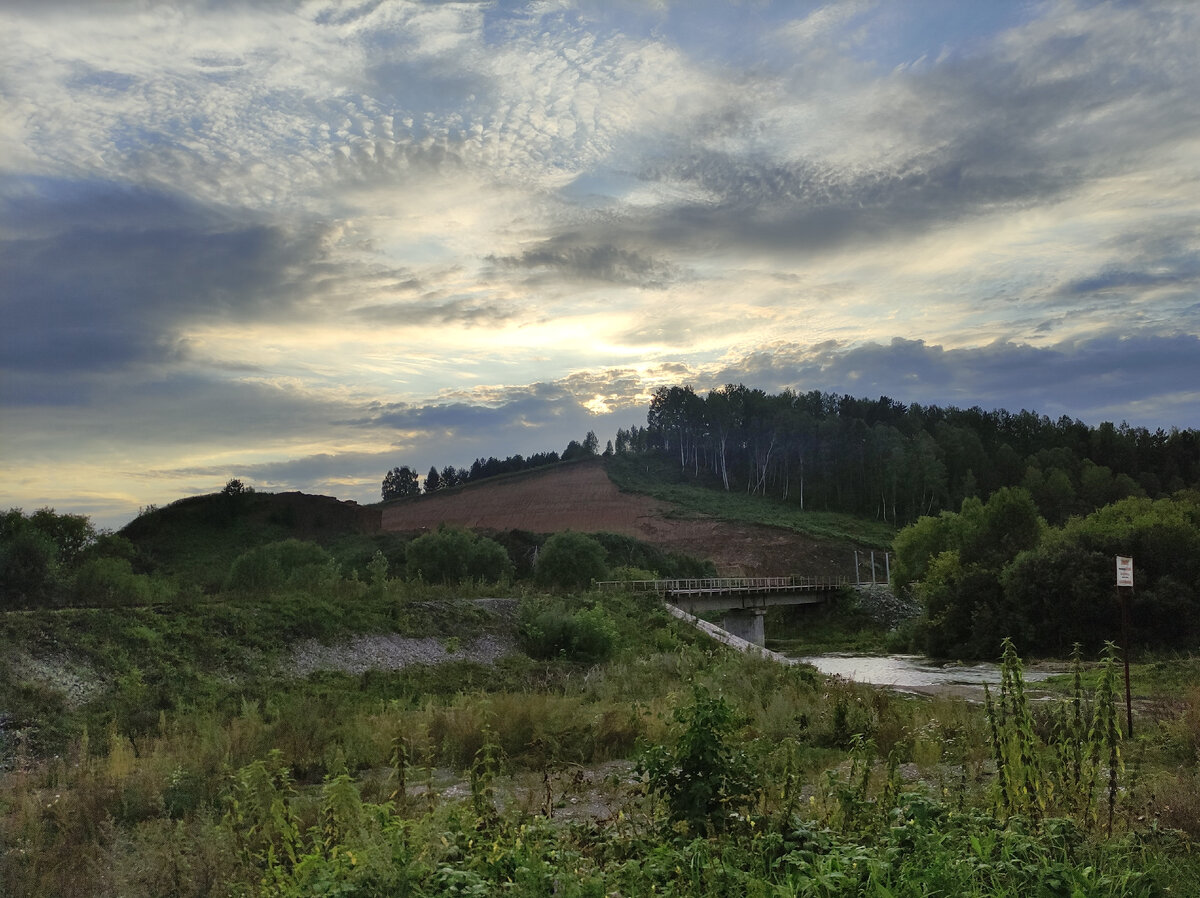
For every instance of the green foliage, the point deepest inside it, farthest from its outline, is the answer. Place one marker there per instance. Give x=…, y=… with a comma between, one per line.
x=992, y=533
x=918, y=544
x=451, y=555
x=39, y=554
x=628, y=574
x=550, y=630
x=290, y=562
x=993, y=569
x=196, y=540
x=239, y=783
x=28, y=567
x=571, y=560
x=400, y=483
x=704, y=779
x=49, y=559
x=112, y=581
x=1074, y=765
x=896, y=462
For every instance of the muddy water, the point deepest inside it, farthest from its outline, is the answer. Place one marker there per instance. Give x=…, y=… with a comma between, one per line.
x=912, y=673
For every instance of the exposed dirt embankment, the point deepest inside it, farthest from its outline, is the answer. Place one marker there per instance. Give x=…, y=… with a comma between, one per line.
x=581, y=497
x=566, y=497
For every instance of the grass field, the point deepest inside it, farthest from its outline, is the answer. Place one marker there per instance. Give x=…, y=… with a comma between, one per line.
x=659, y=478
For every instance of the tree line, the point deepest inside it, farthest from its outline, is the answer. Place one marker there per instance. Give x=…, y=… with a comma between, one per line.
x=996, y=568
x=896, y=462
x=404, y=481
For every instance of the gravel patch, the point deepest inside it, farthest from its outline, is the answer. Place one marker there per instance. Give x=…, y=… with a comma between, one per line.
x=76, y=680
x=392, y=652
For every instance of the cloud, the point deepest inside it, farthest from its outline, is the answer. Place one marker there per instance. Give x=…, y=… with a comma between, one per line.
x=1146, y=378
x=104, y=276
x=559, y=260
x=434, y=310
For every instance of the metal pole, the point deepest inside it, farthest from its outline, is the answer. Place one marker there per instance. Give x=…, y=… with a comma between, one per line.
x=1126, y=598
x=887, y=566
x=872, y=567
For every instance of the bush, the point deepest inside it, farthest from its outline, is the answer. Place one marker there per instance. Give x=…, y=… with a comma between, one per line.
x=111, y=581
x=276, y=565
x=705, y=777
x=38, y=552
x=452, y=555
x=28, y=568
x=554, y=632
x=571, y=560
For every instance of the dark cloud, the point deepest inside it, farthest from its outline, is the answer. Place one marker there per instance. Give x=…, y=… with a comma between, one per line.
x=1129, y=279
x=1148, y=261
x=433, y=310
x=807, y=207
x=514, y=409
x=183, y=411
x=535, y=418
x=562, y=258
x=96, y=276
x=1147, y=378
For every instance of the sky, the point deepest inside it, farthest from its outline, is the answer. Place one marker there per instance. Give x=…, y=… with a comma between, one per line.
x=303, y=243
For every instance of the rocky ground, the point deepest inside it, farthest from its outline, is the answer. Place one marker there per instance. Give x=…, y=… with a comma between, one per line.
x=392, y=652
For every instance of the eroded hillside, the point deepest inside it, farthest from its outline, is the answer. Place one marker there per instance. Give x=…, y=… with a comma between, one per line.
x=582, y=497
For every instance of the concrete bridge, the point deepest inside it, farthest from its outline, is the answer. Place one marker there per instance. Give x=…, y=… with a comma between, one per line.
x=744, y=600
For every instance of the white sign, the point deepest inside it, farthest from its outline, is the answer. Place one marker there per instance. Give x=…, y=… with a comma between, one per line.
x=1124, y=571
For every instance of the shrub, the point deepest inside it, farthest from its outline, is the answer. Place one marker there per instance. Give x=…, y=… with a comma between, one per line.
x=627, y=551
x=704, y=777
x=631, y=574
x=452, y=555
x=279, y=564
x=551, y=632
x=38, y=553
x=489, y=561
x=28, y=567
x=111, y=581
x=571, y=560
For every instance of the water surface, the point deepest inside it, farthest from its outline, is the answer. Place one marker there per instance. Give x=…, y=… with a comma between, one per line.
x=911, y=673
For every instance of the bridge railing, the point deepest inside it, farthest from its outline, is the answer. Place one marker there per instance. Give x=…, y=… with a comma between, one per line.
x=701, y=585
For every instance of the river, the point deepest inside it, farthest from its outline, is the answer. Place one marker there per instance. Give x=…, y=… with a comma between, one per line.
x=913, y=673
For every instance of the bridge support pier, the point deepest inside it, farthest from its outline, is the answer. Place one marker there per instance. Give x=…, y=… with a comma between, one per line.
x=747, y=623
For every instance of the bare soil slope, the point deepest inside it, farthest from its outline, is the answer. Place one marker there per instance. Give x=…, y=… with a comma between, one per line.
x=581, y=497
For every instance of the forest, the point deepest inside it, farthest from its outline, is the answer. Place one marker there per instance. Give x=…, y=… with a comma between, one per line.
x=896, y=462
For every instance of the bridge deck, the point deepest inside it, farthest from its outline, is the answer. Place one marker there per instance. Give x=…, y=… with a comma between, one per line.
x=728, y=586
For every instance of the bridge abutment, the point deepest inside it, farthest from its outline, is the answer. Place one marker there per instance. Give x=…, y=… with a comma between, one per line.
x=747, y=623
